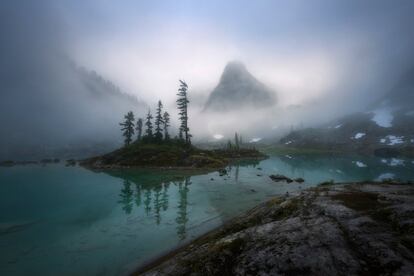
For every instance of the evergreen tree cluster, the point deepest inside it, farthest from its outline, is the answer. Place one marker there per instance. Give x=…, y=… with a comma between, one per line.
x=237, y=144
x=157, y=132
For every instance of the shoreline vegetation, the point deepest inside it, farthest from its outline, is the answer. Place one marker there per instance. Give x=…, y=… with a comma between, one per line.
x=331, y=229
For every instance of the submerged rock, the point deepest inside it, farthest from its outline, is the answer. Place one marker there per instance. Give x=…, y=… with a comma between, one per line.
x=222, y=172
x=280, y=177
x=354, y=229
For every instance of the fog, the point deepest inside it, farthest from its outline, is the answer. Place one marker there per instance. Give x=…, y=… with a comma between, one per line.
x=322, y=59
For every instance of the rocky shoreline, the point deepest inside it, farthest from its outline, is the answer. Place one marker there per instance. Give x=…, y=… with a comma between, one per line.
x=333, y=229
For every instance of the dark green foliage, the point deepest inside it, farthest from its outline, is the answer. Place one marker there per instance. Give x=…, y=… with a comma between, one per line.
x=175, y=153
x=139, y=129
x=166, y=121
x=236, y=141
x=237, y=145
x=149, y=136
x=182, y=103
x=159, y=121
x=128, y=127
x=229, y=145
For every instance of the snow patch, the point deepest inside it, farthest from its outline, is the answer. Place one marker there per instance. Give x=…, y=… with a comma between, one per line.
x=288, y=142
x=396, y=162
x=288, y=156
x=339, y=171
x=338, y=126
x=393, y=162
x=392, y=140
x=383, y=117
x=385, y=176
x=360, y=164
x=359, y=135
x=255, y=140
x=218, y=136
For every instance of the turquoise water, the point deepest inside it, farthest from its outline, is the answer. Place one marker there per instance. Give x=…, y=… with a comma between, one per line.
x=57, y=220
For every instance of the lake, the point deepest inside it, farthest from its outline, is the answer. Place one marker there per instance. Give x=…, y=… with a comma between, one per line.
x=57, y=220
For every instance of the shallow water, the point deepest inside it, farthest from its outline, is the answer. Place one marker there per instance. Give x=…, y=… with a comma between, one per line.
x=57, y=220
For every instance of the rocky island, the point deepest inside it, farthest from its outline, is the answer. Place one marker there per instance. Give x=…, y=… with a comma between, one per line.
x=348, y=229
x=156, y=148
x=171, y=155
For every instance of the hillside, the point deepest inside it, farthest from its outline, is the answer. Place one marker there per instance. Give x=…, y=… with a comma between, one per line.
x=386, y=128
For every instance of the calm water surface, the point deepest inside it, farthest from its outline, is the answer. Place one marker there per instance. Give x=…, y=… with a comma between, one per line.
x=57, y=220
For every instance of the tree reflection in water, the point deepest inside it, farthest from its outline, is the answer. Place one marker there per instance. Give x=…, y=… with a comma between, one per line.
x=182, y=208
x=154, y=199
x=151, y=192
x=126, y=196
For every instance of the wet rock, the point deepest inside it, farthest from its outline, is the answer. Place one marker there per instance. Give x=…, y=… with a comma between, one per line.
x=353, y=229
x=280, y=177
x=299, y=180
x=222, y=172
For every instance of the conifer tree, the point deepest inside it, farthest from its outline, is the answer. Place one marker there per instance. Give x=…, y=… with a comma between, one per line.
x=229, y=145
x=236, y=140
x=166, y=120
x=182, y=103
x=158, y=123
x=139, y=129
x=148, y=131
x=128, y=127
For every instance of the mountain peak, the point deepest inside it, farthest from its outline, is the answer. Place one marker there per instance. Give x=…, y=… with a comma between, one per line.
x=235, y=65
x=239, y=88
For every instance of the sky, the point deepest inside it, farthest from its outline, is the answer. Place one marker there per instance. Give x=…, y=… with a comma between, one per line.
x=343, y=54
x=302, y=49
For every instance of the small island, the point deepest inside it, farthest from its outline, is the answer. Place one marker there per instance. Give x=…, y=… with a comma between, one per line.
x=157, y=149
